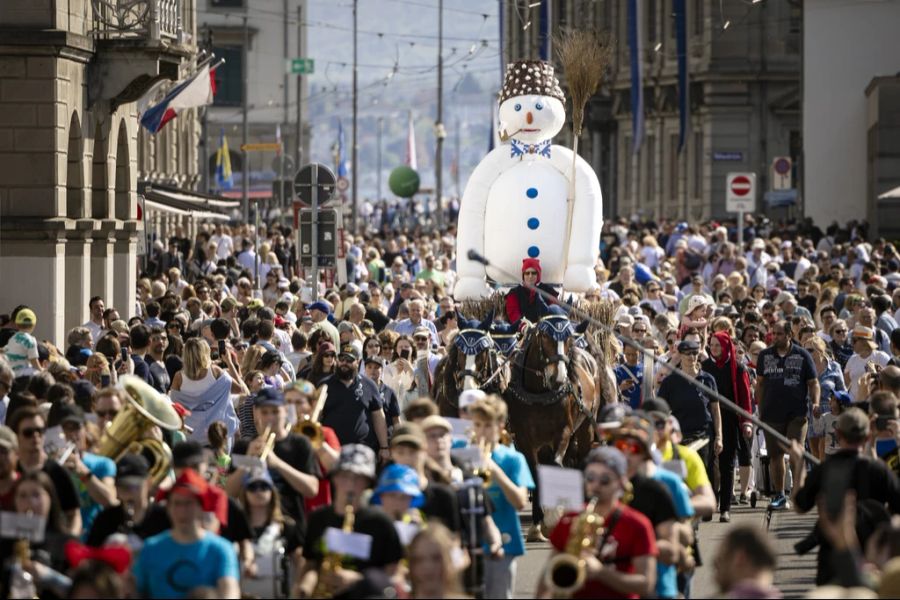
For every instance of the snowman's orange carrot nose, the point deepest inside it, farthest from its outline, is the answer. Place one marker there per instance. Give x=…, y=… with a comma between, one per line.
x=528, y=118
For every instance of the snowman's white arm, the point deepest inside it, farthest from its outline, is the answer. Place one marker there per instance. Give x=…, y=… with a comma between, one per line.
x=472, y=210
x=587, y=215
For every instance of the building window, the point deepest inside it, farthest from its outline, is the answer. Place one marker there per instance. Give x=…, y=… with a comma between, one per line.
x=697, y=16
x=229, y=76
x=219, y=4
x=698, y=165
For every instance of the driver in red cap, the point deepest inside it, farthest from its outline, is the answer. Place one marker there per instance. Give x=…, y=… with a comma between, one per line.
x=522, y=301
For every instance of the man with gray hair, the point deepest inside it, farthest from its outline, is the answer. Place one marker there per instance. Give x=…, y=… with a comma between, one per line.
x=416, y=319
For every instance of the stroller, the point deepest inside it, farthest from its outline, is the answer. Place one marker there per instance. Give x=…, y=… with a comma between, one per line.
x=761, y=481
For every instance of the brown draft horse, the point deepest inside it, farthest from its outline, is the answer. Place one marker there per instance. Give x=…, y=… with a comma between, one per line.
x=553, y=397
x=472, y=362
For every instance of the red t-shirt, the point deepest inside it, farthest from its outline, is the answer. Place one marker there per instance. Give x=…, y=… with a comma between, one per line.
x=632, y=536
x=323, y=498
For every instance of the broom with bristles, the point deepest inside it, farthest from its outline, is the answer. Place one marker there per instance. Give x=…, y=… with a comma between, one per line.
x=584, y=58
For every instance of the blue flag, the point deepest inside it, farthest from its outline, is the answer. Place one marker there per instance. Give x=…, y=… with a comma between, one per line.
x=342, y=155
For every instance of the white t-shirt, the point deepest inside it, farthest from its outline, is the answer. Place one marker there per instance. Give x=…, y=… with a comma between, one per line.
x=21, y=349
x=856, y=367
x=224, y=245
x=652, y=255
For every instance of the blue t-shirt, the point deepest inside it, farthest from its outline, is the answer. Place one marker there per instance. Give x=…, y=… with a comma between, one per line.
x=627, y=372
x=513, y=464
x=100, y=467
x=667, y=575
x=168, y=569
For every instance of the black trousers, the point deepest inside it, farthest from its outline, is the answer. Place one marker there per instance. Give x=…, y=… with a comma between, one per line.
x=731, y=432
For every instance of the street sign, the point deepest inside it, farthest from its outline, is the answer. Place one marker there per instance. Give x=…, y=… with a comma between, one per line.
x=328, y=246
x=324, y=184
x=781, y=173
x=273, y=146
x=731, y=156
x=740, y=192
x=301, y=66
x=343, y=184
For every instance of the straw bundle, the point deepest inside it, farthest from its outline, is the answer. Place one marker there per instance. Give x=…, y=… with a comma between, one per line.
x=584, y=57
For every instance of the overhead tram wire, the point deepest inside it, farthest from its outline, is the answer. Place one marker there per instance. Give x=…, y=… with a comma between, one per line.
x=723, y=401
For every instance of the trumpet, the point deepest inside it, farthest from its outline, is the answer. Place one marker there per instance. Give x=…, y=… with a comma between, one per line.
x=566, y=572
x=311, y=429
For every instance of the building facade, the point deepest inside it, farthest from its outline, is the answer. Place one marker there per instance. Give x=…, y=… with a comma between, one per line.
x=744, y=110
x=71, y=149
x=261, y=55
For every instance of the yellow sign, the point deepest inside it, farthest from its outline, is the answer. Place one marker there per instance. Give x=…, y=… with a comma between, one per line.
x=274, y=147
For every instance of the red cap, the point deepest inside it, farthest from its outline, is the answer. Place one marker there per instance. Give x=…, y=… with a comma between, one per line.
x=532, y=263
x=211, y=498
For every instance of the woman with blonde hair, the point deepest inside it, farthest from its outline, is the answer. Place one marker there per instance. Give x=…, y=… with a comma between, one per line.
x=205, y=389
x=252, y=355
x=432, y=571
x=831, y=380
x=97, y=371
x=650, y=252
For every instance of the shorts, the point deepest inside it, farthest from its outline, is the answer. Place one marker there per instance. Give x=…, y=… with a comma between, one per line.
x=795, y=429
x=817, y=427
x=743, y=450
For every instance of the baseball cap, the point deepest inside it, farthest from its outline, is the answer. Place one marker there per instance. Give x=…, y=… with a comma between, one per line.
x=469, y=397
x=349, y=350
x=319, y=305
x=132, y=468
x=410, y=434
x=688, y=346
x=358, y=459
x=268, y=397
x=71, y=413
x=188, y=453
x=8, y=438
x=26, y=316
x=843, y=398
x=626, y=320
x=862, y=332
x=436, y=421
x=612, y=415
x=853, y=423
x=375, y=359
x=610, y=457
x=259, y=475
x=656, y=407
x=640, y=428
x=256, y=303
x=399, y=478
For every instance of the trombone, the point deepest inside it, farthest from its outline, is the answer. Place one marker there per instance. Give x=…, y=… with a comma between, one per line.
x=309, y=425
x=269, y=435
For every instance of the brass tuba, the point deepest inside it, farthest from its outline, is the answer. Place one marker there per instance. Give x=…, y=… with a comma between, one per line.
x=144, y=408
x=565, y=573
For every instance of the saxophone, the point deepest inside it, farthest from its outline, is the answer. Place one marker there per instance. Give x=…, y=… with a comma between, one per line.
x=565, y=573
x=332, y=561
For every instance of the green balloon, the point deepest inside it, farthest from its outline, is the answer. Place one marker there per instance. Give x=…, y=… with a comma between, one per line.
x=404, y=182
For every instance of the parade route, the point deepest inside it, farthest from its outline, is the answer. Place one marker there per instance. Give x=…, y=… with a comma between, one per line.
x=795, y=575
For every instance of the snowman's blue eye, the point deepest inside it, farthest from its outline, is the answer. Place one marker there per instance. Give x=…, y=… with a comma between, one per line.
x=539, y=106
x=518, y=107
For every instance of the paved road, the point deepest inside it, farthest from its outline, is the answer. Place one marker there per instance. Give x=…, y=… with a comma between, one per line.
x=795, y=575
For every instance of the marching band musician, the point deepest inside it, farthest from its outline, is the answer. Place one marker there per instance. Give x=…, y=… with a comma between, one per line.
x=291, y=461
x=510, y=482
x=622, y=562
x=299, y=396
x=351, y=476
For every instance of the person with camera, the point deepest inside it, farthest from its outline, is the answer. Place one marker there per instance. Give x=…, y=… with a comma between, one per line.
x=885, y=427
x=848, y=469
x=866, y=359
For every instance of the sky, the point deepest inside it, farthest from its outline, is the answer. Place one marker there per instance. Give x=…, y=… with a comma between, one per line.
x=397, y=50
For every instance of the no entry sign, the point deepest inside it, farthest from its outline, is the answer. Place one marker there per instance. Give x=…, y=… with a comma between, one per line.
x=740, y=192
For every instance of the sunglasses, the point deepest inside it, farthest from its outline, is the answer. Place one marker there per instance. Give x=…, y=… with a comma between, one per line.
x=329, y=355
x=601, y=479
x=346, y=359
x=421, y=338
x=530, y=272
x=642, y=330
x=258, y=486
x=628, y=446
x=840, y=331
x=692, y=353
x=660, y=424
x=30, y=431
x=107, y=414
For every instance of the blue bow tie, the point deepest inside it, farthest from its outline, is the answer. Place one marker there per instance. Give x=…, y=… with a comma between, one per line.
x=517, y=148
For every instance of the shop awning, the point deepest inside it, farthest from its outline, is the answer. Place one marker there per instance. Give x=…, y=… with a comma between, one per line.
x=894, y=193
x=178, y=201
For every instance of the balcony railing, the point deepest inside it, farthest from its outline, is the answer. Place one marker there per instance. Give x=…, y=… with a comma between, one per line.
x=152, y=20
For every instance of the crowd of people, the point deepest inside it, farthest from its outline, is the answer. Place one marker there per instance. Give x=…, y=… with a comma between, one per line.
x=309, y=459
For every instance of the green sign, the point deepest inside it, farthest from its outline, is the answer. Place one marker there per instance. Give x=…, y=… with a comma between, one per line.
x=301, y=66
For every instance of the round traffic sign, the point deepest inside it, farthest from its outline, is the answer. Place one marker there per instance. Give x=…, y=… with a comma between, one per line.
x=343, y=184
x=782, y=166
x=314, y=178
x=740, y=185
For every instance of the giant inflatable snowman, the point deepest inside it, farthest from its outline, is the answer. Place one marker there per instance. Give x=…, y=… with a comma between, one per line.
x=515, y=203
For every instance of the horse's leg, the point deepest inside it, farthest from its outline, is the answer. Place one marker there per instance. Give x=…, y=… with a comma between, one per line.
x=534, y=533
